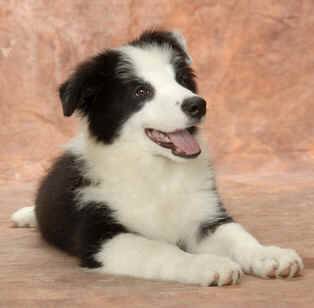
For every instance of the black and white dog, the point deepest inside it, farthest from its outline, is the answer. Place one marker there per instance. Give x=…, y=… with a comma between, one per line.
x=134, y=193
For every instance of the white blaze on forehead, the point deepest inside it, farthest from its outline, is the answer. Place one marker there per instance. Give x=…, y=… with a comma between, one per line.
x=152, y=63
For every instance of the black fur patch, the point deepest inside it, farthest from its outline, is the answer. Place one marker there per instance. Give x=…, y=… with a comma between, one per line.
x=79, y=232
x=98, y=90
x=182, y=245
x=210, y=226
x=97, y=226
x=193, y=130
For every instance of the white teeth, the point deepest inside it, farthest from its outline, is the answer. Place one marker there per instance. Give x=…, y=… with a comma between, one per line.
x=167, y=138
x=163, y=137
x=158, y=136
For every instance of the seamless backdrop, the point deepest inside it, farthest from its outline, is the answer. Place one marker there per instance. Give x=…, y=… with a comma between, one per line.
x=255, y=65
x=254, y=61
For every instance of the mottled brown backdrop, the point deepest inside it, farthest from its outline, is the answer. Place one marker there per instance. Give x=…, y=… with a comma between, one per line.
x=255, y=65
x=254, y=61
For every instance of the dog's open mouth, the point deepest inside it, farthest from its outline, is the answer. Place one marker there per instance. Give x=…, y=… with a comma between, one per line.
x=181, y=142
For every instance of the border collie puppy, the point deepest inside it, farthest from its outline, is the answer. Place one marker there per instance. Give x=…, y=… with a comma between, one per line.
x=134, y=193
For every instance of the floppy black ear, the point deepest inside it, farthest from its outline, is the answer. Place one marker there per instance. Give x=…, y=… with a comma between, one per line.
x=68, y=99
x=78, y=91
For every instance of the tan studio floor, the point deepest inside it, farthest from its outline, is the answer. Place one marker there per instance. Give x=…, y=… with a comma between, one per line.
x=277, y=209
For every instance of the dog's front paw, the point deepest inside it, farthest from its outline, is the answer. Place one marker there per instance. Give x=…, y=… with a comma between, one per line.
x=208, y=270
x=274, y=262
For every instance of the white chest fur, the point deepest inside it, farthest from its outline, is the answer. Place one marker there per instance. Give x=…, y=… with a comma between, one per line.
x=150, y=195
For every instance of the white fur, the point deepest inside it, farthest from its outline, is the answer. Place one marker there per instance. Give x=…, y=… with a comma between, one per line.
x=231, y=240
x=166, y=201
x=133, y=255
x=164, y=112
x=24, y=217
x=150, y=194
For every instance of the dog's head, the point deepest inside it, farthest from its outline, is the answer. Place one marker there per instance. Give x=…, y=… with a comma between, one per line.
x=143, y=92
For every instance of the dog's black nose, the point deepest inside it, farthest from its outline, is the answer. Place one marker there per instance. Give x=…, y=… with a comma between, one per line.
x=194, y=107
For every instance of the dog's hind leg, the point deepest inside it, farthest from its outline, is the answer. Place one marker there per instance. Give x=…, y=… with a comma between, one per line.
x=24, y=217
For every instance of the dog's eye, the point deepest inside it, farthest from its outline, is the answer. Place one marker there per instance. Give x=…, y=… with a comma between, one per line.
x=182, y=79
x=143, y=91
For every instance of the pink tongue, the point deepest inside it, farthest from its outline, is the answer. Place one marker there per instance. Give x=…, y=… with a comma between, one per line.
x=185, y=143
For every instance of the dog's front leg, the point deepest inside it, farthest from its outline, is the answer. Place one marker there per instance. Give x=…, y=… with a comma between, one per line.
x=232, y=240
x=133, y=255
